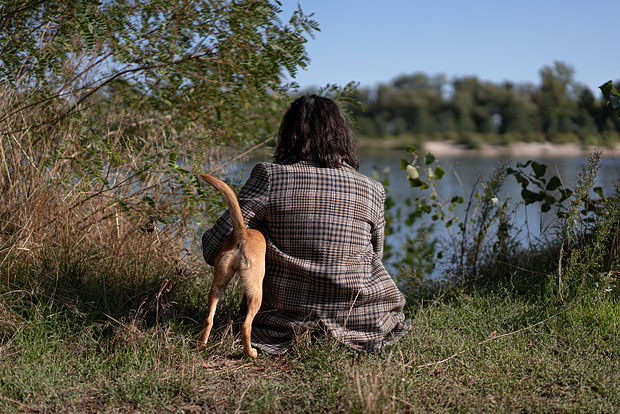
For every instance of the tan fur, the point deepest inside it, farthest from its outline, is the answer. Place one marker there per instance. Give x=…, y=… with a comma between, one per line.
x=242, y=252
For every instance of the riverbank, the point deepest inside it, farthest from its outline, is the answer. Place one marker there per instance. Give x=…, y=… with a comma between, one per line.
x=452, y=149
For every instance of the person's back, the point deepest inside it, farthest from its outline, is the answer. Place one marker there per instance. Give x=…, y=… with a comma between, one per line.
x=323, y=218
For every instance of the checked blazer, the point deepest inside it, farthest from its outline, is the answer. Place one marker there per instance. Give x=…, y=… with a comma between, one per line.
x=324, y=229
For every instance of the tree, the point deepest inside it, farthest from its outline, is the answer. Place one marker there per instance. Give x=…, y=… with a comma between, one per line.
x=407, y=105
x=555, y=98
x=558, y=109
x=200, y=61
x=132, y=97
x=518, y=112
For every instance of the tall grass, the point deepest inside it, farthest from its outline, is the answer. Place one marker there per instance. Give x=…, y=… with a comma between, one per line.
x=101, y=277
x=484, y=248
x=95, y=222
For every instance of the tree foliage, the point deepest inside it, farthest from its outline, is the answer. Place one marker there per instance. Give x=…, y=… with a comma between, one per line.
x=559, y=109
x=612, y=95
x=123, y=101
x=196, y=61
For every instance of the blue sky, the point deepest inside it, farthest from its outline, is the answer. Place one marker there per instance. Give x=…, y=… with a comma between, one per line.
x=374, y=41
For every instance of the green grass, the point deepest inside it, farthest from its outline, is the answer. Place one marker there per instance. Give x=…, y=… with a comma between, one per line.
x=479, y=353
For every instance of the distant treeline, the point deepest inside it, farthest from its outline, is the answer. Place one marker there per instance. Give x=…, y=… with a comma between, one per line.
x=472, y=111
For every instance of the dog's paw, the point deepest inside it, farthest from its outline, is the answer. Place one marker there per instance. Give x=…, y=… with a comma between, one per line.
x=252, y=353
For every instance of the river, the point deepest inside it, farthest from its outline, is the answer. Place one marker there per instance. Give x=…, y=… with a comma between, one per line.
x=461, y=175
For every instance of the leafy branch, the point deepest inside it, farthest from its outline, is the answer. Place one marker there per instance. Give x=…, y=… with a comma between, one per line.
x=546, y=191
x=612, y=95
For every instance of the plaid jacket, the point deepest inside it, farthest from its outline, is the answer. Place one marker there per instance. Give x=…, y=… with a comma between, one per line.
x=324, y=229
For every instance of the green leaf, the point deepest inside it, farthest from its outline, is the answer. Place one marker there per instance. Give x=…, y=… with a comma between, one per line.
x=606, y=88
x=123, y=205
x=412, y=172
x=429, y=159
x=599, y=191
x=172, y=160
x=612, y=94
x=410, y=149
x=439, y=172
x=539, y=169
x=403, y=164
x=149, y=201
x=416, y=182
x=553, y=184
x=531, y=197
x=521, y=179
x=566, y=193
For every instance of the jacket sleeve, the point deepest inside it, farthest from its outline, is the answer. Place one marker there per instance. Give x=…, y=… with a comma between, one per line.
x=378, y=230
x=253, y=199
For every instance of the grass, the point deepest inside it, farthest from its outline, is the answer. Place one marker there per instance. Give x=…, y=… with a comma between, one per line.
x=480, y=353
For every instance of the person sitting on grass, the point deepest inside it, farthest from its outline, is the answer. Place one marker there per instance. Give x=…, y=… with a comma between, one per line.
x=324, y=226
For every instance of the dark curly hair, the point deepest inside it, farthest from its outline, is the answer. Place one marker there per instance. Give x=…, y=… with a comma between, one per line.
x=315, y=128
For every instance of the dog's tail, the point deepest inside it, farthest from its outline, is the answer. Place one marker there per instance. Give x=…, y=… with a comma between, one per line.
x=233, y=207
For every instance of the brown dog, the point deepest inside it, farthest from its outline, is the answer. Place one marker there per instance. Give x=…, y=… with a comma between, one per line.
x=242, y=252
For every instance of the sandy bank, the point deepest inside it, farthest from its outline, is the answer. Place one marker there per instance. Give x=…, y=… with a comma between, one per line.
x=449, y=149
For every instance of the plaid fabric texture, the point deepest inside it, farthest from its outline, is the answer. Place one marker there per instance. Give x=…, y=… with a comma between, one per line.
x=324, y=229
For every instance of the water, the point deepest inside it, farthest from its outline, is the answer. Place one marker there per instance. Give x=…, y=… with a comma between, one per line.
x=461, y=175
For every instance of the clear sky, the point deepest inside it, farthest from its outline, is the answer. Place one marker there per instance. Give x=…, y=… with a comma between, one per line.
x=374, y=41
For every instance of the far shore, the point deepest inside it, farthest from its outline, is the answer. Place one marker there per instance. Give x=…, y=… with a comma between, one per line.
x=451, y=149
x=448, y=149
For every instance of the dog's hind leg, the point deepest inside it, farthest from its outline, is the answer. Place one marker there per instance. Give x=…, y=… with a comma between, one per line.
x=254, y=296
x=222, y=275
